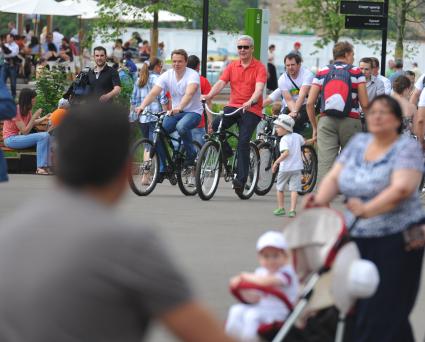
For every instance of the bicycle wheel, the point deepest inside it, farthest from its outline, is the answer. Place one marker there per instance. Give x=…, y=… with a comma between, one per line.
x=309, y=172
x=253, y=172
x=144, y=169
x=421, y=187
x=208, y=170
x=266, y=176
x=186, y=175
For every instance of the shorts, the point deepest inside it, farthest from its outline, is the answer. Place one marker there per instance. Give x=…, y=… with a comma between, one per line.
x=289, y=180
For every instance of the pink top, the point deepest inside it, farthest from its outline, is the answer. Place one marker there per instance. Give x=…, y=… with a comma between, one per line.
x=9, y=126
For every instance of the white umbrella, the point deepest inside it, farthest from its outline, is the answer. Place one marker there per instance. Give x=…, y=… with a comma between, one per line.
x=44, y=7
x=90, y=10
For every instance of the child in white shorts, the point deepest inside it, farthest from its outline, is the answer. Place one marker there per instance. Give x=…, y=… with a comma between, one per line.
x=289, y=163
x=244, y=320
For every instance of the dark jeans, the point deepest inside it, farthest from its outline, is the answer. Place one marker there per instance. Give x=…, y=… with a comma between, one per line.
x=247, y=122
x=10, y=71
x=385, y=316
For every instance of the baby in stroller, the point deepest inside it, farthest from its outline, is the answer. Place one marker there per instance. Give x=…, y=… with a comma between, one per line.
x=277, y=274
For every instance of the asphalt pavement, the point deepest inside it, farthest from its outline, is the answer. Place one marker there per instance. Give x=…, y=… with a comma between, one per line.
x=211, y=240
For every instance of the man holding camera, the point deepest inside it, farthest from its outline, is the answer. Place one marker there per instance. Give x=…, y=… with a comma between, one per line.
x=104, y=81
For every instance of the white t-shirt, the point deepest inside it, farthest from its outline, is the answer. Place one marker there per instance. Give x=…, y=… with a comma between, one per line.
x=421, y=102
x=291, y=142
x=305, y=78
x=290, y=288
x=168, y=82
x=420, y=82
x=276, y=96
x=387, y=83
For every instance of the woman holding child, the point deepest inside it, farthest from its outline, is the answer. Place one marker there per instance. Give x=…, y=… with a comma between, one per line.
x=378, y=173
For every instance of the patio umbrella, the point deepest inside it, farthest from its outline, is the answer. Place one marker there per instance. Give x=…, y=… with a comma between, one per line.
x=44, y=7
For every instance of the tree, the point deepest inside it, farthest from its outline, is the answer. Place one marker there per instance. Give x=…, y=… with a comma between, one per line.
x=403, y=12
x=320, y=15
x=191, y=9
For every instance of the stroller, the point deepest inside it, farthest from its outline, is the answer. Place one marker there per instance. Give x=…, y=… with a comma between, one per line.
x=318, y=240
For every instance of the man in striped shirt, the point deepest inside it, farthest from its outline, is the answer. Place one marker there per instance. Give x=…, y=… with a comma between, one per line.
x=333, y=133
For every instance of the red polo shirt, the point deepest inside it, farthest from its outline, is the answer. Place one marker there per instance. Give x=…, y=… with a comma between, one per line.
x=205, y=89
x=242, y=83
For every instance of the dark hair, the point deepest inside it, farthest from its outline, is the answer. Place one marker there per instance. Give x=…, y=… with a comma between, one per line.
x=56, y=29
x=394, y=106
x=399, y=63
x=100, y=48
x=52, y=47
x=401, y=83
x=65, y=39
x=34, y=42
x=92, y=145
x=375, y=62
x=295, y=56
x=25, y=101
x=180, y=52
x=193, y=62
x=272, y=46
x=341, y=48
x=409, y=73
x=367, y=60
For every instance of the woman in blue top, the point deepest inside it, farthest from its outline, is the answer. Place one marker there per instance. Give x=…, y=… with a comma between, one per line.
x=379, y=173
x=147, y=77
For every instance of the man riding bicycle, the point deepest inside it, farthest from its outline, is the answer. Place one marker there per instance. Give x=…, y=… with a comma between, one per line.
x=294, y=86
x=183, y=84
x=247, y=77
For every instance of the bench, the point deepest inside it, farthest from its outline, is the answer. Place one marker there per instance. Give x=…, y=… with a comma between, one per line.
x=22, y=160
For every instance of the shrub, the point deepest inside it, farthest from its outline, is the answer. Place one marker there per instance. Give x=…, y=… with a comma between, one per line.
x=50, y=87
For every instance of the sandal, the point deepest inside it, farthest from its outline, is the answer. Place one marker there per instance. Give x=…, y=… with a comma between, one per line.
x=43, y=171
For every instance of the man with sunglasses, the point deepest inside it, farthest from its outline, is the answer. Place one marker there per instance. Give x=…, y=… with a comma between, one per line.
x=247, y=77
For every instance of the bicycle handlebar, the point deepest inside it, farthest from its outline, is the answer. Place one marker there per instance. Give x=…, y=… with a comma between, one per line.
x=204, y=103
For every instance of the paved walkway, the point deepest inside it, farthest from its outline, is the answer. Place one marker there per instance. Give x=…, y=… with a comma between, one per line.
x=212, y=240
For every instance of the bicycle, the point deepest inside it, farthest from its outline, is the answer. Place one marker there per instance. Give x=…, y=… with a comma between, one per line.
x=145, y=175
x=211, y=160
x=268, y=147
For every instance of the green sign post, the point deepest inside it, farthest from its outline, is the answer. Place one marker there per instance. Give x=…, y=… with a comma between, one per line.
x=257, y=26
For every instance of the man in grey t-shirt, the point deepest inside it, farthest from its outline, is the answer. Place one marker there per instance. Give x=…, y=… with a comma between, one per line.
x=71, y=270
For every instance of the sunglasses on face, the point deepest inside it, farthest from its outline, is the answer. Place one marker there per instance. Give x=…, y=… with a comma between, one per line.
x=244, y=47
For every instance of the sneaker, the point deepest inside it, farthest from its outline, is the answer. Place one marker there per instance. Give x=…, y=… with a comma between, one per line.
x=292, y=214
x=279, y=212
x=161, y=177
x=237, y=185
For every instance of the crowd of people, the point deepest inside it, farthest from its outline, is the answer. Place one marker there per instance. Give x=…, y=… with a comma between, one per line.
x=364, y=125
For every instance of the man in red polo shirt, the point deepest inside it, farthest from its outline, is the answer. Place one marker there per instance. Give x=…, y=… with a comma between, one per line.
x=247, y=77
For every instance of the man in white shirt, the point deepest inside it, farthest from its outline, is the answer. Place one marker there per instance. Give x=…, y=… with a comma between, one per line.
x=57, y=38
x=375, y=72
x=10, y=68
x=183, y=84
x=417, y=91
x=12, y=28
x=295, y=84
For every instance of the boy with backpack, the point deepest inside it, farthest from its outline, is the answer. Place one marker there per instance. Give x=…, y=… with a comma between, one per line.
x=341, y=87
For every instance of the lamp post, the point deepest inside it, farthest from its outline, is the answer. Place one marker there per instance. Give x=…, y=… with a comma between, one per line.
x=205, y=11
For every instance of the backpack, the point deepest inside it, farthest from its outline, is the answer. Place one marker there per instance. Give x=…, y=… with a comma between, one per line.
x=81, y=84
x=336, y=92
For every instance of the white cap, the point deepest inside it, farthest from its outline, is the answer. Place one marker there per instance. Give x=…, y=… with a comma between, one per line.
x=63, y=103
x=272, y=238
x=285, y=121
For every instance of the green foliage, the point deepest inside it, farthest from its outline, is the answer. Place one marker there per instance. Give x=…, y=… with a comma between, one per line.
x=322, y=16
x=110, y=27
x=50, y=87
x=126, y=89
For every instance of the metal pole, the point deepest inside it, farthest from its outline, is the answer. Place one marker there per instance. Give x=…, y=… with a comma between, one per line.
x=204, y=56
x=384, y=38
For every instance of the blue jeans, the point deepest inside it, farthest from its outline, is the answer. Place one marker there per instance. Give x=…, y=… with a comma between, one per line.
x=42, y=140
x=10, y=71
x=198, y=135
x=3, y=168
x=183, y=123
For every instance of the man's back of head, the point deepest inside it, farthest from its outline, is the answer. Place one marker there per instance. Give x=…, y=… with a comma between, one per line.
x=92, y=145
